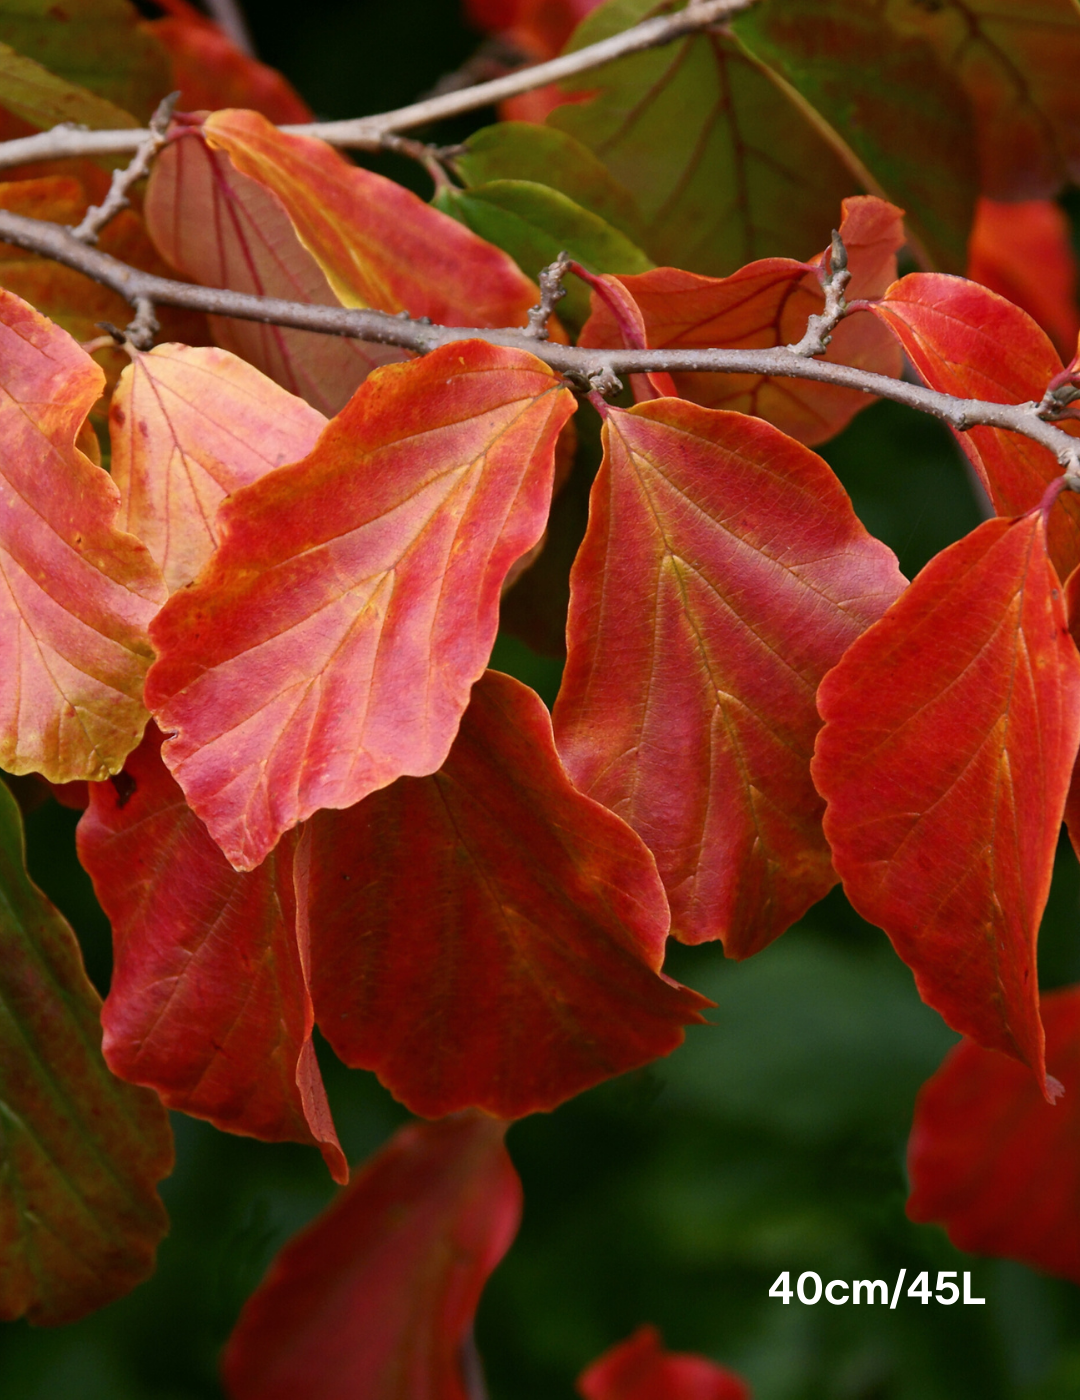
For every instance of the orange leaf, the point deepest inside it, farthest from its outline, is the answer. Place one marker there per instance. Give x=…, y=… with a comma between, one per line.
x=951, y=728
x=376, y=1297
x=189, y=427
x=76, y=593
x=765, y=304
x=722, y=574
x=331, y=643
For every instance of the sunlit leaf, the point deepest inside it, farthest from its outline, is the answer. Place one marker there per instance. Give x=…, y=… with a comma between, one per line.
x=951, y=730
x=1017, y=61
x=76, y=593
x=189, y=427
x=44, y=99
x=723, y=573
x=868, y=85
x=489, y=937
x=723, y=166
x=993, y=1162
x=208, y=1003
x=80, y=1152
x=955, y=333
x=376, y=1297
x=641, y=1369
x=766, y=304
x=331, y=644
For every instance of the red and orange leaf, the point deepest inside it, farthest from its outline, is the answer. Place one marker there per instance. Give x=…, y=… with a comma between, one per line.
x=209, y=71
x=76, y=593
x=489, y=937
x=376, y=1297
x=723, y=573
x=993, y=1162
x=81, y=1153
x=641, y=1369
x=189, y=427
x=539, y=27
x=209, y=1002
x=968, y=341
x=331, y=643
x=765, y=304
x=221, y=229
x=951, y=728
x=1024, y=253
x=377, y=243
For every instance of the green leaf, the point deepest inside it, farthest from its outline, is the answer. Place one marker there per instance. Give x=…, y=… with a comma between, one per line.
x=38, y=96
x=80, y=1152
x=885, y=103
x=547, y=156
x=534, y=224
x=724, y=167
x=97, y=44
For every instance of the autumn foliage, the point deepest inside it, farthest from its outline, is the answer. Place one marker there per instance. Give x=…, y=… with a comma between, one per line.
x=263, y=637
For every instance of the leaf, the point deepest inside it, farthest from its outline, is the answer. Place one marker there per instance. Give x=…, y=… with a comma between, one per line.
x=953, y=332
x=863, y=85
x=211, y=72
x=547, y=156
x=1024, y=253
x=1017, y=61
x=640, y=1369
x=534, y=224
x=189, y=427
x=97, y=44
x=376, y=1297
x=222, y=229
x=950, y=733
x=722, y=574
x=723, y=167
x=331, y=643
x=763, y=305
x=76, y=593
x=538, y=26
x=209, y=1002
x=80, y=1152
x=488, y=937
x=43, y=99
x=993, y=1162
x=377, y=243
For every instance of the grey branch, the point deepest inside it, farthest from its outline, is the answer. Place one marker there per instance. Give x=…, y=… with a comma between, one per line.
x=228, y=15
x=586, y=367
x=370, y=133
x=835, y=276
x=552, y=292
x=98, y=215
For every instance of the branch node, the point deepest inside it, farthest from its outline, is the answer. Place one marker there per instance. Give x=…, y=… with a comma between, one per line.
x=98, y=215
x=140, y=332
x=552, y=292
x=834, y=275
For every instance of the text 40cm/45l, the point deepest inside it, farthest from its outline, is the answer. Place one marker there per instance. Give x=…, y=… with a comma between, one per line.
x=810, y=1290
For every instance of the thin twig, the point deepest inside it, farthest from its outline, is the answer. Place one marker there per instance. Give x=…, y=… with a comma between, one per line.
x=552, y=292
x=369, y=133
x=228, y=15
x=98, y=215
x=586, y=367
x=834, y=275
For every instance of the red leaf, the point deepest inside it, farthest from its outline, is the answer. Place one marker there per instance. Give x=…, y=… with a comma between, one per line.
x=76, y=593
x=640, y=1369
x=488, y=936
x=331, y=643
x=210, y=71
x=722, y=574
x=765, y=304
x=209, y=1002
x=994, y=1163
x=376, y=1297
x=953, y=332
x=539, y=27
x=951, y=730
x=188, y=428
x=1024, y=253
x=222, y=229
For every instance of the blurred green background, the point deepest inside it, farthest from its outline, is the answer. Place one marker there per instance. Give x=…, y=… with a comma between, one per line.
x=773, y=1140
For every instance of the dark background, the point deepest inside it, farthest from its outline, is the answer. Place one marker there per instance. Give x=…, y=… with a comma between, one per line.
x=773, y=1140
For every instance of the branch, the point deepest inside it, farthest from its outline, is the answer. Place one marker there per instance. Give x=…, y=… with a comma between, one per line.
x=834, y=276
x=552, y=292
x=228, y=16
x=370, y=133
x=98, y=215
x=586, y=367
